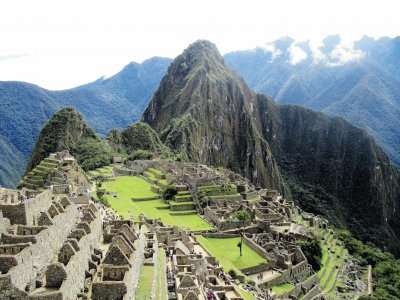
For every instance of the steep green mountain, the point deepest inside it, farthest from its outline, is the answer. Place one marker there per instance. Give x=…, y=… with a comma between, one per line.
x=106, y=103
x=141, y=136
x=206, y=113
x=63, y=129
x=360, y=84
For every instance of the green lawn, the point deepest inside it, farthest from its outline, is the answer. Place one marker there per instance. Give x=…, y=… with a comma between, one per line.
x=227, y=253
x=246, y=295
x=282, y=288
x=133, y=186
x=161, y=288
x=145, y=283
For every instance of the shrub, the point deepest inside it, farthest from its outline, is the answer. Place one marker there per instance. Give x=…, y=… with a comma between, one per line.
x=141, y=155
x=232, y=273
x=90, y=153
x=313, y=252
x=169, y=193
x=251, y=282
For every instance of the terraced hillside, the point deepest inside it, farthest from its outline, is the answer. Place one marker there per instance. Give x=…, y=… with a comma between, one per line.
x=45, y=174
x=142, y=194
x=335, y=257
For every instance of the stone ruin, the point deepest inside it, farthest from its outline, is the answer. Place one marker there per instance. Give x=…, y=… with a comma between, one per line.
x=57, y=244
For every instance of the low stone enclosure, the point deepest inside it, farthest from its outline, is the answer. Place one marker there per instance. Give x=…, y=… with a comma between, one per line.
x=57, y=243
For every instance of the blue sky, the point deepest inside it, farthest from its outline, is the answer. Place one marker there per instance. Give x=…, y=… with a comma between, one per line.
x=60, y=44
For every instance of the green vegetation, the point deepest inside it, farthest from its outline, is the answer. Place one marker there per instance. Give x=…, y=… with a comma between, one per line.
x=91, y=153
x=141, y=155
x=241, y=217
x=161, y=282
x=140, y=136
x=145, y=283
x=221, y=249
x=386, y=269
x=246, y=295
x=282, y=288
x=313, y=251
x=169, y=193
x=115, y=102
x=65, y=127
x=133, y=186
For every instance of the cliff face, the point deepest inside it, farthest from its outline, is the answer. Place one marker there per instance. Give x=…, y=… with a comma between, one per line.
x=335, y=169
x=206, y=113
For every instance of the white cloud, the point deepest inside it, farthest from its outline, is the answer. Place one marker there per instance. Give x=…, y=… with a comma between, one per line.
x=297, y=54
x=345, y=53
x=317, y=55
x=270, y=47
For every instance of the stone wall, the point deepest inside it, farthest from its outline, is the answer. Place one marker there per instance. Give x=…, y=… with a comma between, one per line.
x=60, y=189
x=7, y=290
x=48, y=242
x=262, y=267
x=4, y=223
x=78, y=263
x=27, y=212
x=80, y=200
x=188, y=206
x=253, y=245
x=312, y=293
x=220, y=235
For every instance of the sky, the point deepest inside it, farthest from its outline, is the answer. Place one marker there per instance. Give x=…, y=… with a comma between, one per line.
x=59, y=44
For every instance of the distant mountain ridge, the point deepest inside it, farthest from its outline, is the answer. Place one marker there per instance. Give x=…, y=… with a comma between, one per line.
x=360, y=82
x=206, y=113
x=117, y=102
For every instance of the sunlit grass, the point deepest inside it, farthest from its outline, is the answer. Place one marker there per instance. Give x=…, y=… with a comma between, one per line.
x=133, y=186
x=227, y=253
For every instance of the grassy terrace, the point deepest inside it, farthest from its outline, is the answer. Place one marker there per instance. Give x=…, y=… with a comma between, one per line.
x=145, y=283
x=247, y=295
x=156, y=171
x=161, y=284
x=227, y=253
x=282, y=288
x=106, y=171
x=133, y=186
x=333, y=256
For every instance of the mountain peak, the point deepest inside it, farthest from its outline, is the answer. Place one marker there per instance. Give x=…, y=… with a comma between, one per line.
x=200, y=52
x=64, y=127
x=202, y=45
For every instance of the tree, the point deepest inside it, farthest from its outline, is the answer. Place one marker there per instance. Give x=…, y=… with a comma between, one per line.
x=99, y=179
x=313, y=251
x=169, y=193
x=241, y=217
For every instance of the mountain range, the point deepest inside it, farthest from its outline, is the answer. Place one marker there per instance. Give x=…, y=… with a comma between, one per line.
x=106, y=103
x=359, y=82
x=203, y=111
